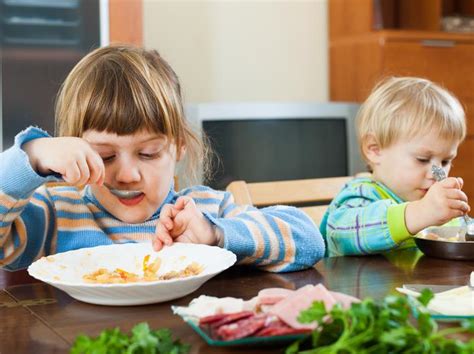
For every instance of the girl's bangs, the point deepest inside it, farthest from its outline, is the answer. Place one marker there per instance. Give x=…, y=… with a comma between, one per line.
x=115, y=108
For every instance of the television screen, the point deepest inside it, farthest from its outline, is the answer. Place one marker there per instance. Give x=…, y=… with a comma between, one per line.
x=257, y=150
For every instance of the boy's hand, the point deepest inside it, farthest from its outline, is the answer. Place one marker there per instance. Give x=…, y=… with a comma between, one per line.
x=444, y=201
x=183, y=222
x=72, y=158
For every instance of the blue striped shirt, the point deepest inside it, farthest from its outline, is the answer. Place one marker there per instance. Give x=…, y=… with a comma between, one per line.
x=38, y=218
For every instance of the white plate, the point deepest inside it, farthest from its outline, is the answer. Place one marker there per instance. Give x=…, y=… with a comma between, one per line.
x=65, y=271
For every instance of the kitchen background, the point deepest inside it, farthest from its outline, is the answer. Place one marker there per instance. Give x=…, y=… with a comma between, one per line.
x=222, y=50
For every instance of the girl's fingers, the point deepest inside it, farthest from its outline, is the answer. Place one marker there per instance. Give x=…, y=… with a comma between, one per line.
x=157, y=244
x=182, y=202
x=162, y=234
x=72, y=173
x=167, y=215
x=184, y=238
x=84, y=169
x=97, y=169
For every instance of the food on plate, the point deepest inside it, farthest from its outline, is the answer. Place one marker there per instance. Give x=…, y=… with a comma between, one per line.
x=435, y=237
x=273, y=312
x=105, y=276
x=454, y=302
x=430, y=236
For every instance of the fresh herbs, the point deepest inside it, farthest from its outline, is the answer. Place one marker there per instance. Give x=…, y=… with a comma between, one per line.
x=368, y=327
x=142, y=340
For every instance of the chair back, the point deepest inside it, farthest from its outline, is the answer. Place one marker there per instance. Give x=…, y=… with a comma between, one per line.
x=310, y=195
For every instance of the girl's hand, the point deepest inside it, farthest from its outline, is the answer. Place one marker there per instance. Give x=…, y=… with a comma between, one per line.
x=72, y=158
x=183, y=222
x=444, y=201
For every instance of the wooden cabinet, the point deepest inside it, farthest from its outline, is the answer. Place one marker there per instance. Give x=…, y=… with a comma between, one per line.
x=126, y=21
x=371, y=39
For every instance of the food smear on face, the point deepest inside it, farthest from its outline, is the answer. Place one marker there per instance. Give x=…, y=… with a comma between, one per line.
x=150, y=270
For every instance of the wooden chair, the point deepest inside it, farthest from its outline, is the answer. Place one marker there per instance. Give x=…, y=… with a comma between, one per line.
x=301, y=193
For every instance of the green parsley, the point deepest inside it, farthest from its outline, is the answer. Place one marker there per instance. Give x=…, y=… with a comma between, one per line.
x=368, y=327
x=142, y=340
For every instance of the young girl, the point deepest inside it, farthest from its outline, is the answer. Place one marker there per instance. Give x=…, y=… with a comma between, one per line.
x=406, y=126
x=122, y=130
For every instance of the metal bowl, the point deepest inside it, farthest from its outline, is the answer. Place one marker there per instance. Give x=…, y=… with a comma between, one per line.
x=444, y=247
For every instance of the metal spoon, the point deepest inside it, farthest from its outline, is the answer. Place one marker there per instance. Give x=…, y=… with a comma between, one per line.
x=466, y=234
x=122, y=193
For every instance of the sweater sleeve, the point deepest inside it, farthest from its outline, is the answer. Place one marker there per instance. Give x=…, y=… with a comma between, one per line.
x=276, y=239
x=359, y=222
x=25, y=211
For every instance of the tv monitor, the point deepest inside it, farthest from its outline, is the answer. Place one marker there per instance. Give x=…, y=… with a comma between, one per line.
x=259, y=142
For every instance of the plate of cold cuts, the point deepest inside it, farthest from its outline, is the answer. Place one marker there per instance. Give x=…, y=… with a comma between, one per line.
x=270, y=318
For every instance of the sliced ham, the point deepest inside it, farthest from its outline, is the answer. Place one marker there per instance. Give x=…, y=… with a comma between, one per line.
x=271, y=296
x=345, y=300
x=290, y=308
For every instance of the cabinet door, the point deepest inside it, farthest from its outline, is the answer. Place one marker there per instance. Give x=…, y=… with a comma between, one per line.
x=445, y=62
x=463, y=167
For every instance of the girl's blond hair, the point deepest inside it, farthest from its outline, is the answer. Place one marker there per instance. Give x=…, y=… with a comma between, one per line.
x=123, y=89
x=406, y=107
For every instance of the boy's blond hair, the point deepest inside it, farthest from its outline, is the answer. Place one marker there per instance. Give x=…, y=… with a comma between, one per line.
x=406, y=107
x=123, y=89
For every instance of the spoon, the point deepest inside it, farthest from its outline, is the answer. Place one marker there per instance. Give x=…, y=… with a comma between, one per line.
x=466, y=234
x=122, y=193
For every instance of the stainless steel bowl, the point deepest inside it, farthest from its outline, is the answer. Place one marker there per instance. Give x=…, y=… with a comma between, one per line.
x=445, y=246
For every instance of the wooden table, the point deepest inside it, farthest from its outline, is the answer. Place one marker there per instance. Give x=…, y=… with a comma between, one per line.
x=37, y=318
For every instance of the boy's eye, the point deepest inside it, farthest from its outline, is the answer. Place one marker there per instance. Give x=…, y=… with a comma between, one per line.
x=445, y=162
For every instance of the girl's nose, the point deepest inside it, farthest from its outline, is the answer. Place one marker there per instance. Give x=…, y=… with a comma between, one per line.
x=127, y=172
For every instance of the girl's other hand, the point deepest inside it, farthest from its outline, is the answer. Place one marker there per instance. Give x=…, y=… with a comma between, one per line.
x=183, y=222
x=443, y=202
x=72, y=158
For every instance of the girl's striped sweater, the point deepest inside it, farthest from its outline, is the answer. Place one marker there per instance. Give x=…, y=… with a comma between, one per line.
x=38, y=219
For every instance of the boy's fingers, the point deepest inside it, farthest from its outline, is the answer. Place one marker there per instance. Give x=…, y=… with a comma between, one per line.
x=456, y=194
x=459, y=205
x=451, y=182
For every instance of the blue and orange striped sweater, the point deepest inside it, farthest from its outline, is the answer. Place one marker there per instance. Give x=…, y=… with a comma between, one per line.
x=37, y=219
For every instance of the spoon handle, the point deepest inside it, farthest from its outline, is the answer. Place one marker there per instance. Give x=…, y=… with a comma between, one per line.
x=439, y=174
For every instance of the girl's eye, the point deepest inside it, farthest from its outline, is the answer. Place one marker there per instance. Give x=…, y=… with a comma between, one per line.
x=108, y=158
x=149, y=156
x=422, y=160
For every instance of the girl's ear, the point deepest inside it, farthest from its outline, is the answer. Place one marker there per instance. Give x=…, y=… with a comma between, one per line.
x=180, y=153
x=371, y=149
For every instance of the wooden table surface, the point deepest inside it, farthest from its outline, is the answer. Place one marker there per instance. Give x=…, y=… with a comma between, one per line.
x=37, y=318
